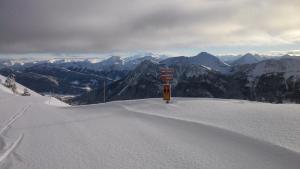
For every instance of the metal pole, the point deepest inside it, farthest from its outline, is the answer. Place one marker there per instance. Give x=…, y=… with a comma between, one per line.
x=104, y=91
x=170, y=90
x=50, y=97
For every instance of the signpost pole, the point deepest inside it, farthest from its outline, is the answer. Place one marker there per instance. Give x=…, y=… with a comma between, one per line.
x=104, y=91
x=166, y=77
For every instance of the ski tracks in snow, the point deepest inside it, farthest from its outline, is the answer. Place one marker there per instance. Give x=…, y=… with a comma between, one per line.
x=8, y=148
x=13, y=119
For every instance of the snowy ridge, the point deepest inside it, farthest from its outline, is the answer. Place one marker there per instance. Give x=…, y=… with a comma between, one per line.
x=248, y=59
x=19, y=88
x=52, y=101
x=203, y=59
x=284, y=65
x=289, y=67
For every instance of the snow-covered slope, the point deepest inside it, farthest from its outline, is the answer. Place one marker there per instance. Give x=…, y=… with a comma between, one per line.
x=188, y=133
x=20, y=88
x=289, y=67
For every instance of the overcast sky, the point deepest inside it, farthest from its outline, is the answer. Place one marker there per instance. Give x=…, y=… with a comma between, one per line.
x=179, y=26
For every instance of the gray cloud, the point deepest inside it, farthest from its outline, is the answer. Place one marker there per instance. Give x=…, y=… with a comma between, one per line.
x=109, y=25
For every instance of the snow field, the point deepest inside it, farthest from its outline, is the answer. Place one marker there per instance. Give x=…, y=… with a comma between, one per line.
x=187, y=133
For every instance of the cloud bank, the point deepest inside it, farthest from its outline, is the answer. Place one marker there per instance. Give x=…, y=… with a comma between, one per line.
x=124, y=25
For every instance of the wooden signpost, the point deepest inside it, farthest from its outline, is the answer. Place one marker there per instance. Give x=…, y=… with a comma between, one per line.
x=166, y=75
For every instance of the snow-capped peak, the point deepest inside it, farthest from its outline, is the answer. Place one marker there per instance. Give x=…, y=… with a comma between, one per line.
x=210, y=61
x=247, y=59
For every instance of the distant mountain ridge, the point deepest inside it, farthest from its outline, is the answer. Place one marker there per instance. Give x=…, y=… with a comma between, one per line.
x=248, y=59
x=271, y=80
x=203, y=58
x=144, y=82
x=251, y=77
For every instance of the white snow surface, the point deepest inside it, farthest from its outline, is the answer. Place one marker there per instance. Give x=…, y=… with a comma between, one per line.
x=149, y=134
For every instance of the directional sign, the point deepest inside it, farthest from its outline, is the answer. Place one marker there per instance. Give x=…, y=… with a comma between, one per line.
x=166, y=77
x=166, y=74
x=166, y=70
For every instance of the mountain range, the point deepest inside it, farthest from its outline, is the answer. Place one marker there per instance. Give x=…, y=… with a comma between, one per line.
x=251, y=77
